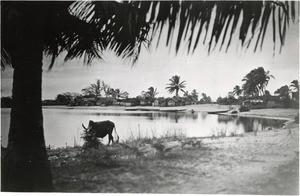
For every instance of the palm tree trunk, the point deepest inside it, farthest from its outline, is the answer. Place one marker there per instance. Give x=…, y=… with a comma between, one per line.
x=26, y=163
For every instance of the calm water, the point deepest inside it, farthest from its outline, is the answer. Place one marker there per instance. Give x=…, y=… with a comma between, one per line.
x=63, y=126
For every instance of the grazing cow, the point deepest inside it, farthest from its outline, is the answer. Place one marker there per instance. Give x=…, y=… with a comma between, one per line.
x=102, y=129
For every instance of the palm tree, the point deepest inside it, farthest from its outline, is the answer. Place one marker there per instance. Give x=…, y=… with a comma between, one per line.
x=106, y=88
x=176, y=85
x=262, y=78
x=250, y=85
x=94, y=89
x=194, y=95
x=295, y=85
x=237, y=90
x=85, y=29
x=256, y=81
x=151, y=92
x=117, y=93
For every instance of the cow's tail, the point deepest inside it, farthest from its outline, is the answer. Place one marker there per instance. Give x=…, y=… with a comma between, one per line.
x=117, y=141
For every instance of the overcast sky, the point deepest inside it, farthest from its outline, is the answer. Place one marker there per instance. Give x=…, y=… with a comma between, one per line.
x=215, y=74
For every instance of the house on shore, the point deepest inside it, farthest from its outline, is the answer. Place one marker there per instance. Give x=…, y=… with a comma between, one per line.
x=175, y=101
x=270, y=101
x=159, y=102
x=294, y=95
x=106, y=101
x=131, y=102
x=144, y=102
x=273, y=102
x=171, y=103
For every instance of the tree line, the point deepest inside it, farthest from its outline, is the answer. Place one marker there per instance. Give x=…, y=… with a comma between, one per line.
x=100, y=89
x=254, y=87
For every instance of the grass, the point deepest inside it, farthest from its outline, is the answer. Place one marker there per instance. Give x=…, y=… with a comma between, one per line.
x=81, y=169
x=170, y=134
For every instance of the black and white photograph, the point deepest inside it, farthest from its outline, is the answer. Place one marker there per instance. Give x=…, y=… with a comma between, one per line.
x=156, y=97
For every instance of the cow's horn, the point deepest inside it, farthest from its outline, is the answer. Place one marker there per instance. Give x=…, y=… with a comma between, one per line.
x=84, y=127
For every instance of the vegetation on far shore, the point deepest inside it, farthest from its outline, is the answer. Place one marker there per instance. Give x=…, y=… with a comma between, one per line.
x=253, y=91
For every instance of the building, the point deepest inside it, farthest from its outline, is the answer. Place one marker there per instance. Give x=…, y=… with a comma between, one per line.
x=273, y=102
x=131, y=102
x=89, y=101
x=144, y=102
x=171, y=103
x=294, y=95
x=159, y=102
x=106, y=101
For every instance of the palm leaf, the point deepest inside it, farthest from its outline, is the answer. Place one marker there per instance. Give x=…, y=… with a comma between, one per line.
x=87, y=28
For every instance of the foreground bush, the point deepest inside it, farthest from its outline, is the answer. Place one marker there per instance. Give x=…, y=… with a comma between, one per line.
x=90, y=139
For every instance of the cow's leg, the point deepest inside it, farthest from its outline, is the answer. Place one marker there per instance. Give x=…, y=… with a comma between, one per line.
x=99, y=145
x=110, y=138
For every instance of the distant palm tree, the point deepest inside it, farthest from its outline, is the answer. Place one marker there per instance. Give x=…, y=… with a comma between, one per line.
x=87, y=28
x=262, y=78
x=94, y=89
x=106, y=88
x=295, y=85
x=176, y=85
x=256, y=82
x=151, y=92
x=120, y=94
x=237, y=90
x=250, y=86
x=195, y=95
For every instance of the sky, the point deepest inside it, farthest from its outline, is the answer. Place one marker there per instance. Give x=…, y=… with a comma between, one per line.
x=215, y=74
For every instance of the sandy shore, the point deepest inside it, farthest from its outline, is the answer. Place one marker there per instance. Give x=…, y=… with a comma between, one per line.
x=198, y=107
x=278, y=113
x=266, y=162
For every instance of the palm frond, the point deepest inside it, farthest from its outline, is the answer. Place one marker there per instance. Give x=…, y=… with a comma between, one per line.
x=87, y=28
x=5, y=59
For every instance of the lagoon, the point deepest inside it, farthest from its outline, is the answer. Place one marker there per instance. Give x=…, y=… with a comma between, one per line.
x=63, y=126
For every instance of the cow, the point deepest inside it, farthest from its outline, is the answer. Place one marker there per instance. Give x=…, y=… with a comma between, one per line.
x=102, y=129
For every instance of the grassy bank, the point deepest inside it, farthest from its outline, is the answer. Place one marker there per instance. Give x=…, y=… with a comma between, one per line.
x=261, y=163
x=265, y=162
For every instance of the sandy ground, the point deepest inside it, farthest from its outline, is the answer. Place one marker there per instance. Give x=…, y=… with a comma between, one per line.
x=272, y=113
x=265, y=162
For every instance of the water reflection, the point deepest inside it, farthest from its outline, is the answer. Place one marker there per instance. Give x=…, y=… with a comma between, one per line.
x=225, y=119
x=172, y=116
x=203, y=115
x=62, y=126
x=251, y=124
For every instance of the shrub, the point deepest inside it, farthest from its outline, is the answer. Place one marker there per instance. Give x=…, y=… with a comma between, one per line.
x=90, y=139
x=244, y=109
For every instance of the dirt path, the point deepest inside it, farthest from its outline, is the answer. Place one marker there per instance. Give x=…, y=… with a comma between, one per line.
x=262, y=163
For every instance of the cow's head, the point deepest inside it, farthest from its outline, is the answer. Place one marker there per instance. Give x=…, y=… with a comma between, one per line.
x=91, y=123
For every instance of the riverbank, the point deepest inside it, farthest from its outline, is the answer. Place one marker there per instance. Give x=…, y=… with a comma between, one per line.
x=265, y=162
x=196, y=108
x=276, y=113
